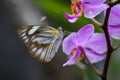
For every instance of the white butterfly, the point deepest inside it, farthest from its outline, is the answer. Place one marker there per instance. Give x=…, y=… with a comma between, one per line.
x=42, y=41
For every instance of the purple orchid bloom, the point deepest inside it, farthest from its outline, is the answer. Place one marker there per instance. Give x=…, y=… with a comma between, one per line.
x=84, y=41
x=90, y=8
x=114, y=22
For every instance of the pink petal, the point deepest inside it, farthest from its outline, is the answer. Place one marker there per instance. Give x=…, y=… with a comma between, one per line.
x=114, y=31
x=73, y=59
x=93, y=56
x=94, y=1
x=71, y=18
x=91, y=11
x=85, y=33
x=114, y=22
x=97, y=43
x=114, y=18
x=69, y=43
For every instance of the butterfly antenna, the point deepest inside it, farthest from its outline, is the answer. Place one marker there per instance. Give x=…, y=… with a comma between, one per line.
x=67, y=32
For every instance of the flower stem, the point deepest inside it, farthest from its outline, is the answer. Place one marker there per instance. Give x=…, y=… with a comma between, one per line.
x=83, y=70
x=109, y=47
x=96, y=22
x=81, y=66
x=115, y=48
x=113, y=3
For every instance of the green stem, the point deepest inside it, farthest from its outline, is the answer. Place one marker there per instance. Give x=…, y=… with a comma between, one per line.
x=83, y=70
x=96, y=22
x=115, y=48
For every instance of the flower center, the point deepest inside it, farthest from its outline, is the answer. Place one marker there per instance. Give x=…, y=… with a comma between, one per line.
x=76, y=7
x=80, y=57
x=74, y=1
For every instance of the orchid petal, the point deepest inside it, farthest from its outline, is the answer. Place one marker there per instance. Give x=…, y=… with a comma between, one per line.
x=73, y=59
x=94, y=1
x=69, y=43
x=114, y=31
x=97, y=43
x=85, y=33
x=114, y=18
x=90, y=10
x=93, y=56
x=71, y=18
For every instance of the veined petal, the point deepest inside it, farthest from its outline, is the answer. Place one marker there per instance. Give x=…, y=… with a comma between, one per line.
x=93, y=56
x=114, y=31
x=94, y=1
x=69, y=43
x=73, y=59
x=114, y=18
x=71, y=18
x=91, y=11
x=114, y=22
x=85, y=33
x=97, y=43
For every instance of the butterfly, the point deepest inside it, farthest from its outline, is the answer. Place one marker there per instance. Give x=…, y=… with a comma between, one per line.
x=42, y=41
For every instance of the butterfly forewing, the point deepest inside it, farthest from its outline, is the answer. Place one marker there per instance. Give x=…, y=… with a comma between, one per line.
x=26, y=32
x=42, y=42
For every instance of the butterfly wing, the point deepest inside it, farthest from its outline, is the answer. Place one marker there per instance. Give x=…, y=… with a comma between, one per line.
x=26, y=32
x=43, y=42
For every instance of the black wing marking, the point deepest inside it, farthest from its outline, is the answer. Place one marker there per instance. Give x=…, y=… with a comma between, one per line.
x=23, y=33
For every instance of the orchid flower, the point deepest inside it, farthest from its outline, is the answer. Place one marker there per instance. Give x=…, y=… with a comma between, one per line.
x=114, y=22
x=90, y=8
x=85, y=40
